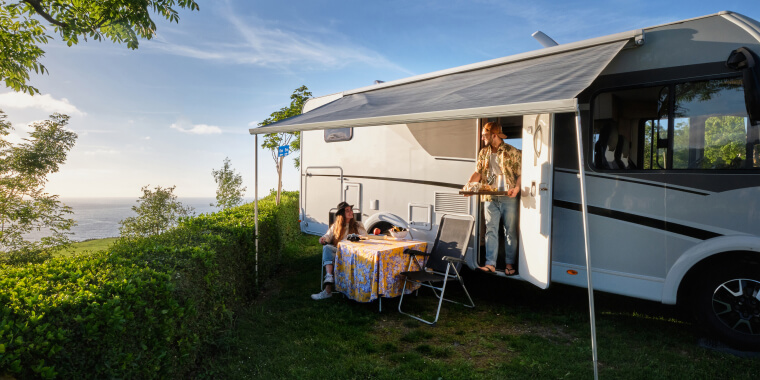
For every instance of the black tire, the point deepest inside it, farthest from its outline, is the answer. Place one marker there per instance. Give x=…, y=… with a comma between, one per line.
x=727, y=304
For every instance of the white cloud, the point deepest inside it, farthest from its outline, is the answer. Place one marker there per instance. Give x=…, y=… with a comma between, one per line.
x=21, y=131
x=101, y=152
x=263, y=44
x=198, y=129
x=96, y=131
x=146, y=138
x=42, y=102
x=83, y=173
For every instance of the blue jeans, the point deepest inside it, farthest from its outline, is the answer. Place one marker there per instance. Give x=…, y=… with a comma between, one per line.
x=505, y=208
x=328, y=254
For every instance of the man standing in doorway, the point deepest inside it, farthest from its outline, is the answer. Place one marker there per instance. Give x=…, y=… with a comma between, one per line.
x=499, y=158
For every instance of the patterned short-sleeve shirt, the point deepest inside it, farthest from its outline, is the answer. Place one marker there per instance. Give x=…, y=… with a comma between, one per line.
x=509, y=159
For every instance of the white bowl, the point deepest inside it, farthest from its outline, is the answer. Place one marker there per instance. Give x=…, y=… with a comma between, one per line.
x=399, y=234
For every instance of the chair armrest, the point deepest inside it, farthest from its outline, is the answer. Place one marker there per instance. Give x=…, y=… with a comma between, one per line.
x=452, y=259
x=415, y=252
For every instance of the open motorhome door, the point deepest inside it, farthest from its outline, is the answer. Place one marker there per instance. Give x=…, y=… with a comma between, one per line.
x=536, y=200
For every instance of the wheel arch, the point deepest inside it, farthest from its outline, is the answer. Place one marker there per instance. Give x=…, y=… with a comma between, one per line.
x=703, y=255
x=385, y=218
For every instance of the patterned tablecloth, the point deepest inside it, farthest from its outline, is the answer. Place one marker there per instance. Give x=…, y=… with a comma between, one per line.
x=368, y=269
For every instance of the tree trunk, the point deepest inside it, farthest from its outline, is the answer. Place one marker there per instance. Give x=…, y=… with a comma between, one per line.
x=279, y=180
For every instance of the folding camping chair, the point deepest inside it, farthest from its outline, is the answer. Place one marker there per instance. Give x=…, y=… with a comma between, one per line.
x=443, y=262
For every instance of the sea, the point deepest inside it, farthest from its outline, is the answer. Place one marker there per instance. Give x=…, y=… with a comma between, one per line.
x=99, y=218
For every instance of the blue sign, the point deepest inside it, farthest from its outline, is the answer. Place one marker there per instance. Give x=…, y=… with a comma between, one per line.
x=283, y=151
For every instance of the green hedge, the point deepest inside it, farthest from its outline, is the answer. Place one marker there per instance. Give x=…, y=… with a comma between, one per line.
x=147, y=307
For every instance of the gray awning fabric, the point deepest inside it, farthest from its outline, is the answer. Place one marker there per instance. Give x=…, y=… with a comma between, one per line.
x=542, y=84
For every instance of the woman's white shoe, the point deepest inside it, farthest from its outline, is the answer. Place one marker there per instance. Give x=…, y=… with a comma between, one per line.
x=321, y=295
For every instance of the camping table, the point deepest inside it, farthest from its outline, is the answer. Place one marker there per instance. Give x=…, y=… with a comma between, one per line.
x=369, y=269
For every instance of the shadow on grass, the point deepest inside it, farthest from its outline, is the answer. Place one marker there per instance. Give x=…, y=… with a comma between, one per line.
x=515, y=331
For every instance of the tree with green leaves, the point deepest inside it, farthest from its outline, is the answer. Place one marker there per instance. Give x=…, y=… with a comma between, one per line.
x=157, y=211
x=273, y=141
x=725, y=142
x=22, y=31
x=24, y=204
x=229, y=186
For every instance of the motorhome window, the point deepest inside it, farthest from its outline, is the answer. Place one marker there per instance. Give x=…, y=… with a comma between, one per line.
x=710, y=125
x=701, y=125
x=339, y=134
x=447, y=139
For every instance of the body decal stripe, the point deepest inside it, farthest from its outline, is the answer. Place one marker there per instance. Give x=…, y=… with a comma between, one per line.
x=664, y=225
x=625, y=179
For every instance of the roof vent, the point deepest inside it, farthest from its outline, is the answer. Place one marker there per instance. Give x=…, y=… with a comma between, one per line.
x=543, y=39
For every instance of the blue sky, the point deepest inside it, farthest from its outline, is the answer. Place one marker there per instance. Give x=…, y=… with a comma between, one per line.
x=171, y=111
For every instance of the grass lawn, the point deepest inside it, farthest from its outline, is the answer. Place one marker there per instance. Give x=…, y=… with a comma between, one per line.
x=89, y=245
x=515, y=331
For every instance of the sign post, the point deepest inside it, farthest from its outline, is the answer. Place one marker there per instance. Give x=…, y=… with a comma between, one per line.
x=283, y=151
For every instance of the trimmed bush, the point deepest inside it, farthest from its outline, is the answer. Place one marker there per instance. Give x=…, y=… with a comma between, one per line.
x=147, y=307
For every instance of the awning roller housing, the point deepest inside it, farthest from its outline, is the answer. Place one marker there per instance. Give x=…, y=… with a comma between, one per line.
x=542, y=84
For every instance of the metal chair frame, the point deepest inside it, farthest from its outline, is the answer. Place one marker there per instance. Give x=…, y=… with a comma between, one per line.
x=428, y=277
x=322, y=277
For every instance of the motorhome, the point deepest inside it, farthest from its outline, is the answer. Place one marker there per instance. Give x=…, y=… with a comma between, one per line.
x=670, y=147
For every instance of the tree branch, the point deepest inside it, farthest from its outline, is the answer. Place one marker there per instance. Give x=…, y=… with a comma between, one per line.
x=274, y=156
x=40, y=11
x=100, y=23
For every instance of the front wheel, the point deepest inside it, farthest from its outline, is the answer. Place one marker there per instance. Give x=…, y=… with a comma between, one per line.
x=727, y=303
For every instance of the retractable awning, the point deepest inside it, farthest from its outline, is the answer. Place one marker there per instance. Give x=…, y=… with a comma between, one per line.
x=540, y=83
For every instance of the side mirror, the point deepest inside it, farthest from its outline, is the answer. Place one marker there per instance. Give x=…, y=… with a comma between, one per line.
x=745, y=60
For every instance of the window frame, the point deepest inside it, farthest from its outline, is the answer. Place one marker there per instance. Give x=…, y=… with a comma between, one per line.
x=671, y=85
x=349, y=138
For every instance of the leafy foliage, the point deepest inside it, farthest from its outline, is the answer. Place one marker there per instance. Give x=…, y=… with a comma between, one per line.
x=24, y=204
x=147, y=308
x=725, y=139
x=22, y=33
x=274, y=140
x=21, y=36
x=721, y=144
x=229, y=190
x=157, y=211
x=724, y=144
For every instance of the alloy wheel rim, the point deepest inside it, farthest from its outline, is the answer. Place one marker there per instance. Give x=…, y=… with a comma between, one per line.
x=736, y=303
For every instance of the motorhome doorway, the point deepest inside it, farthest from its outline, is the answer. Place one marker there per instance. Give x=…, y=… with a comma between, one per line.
x=512, y=127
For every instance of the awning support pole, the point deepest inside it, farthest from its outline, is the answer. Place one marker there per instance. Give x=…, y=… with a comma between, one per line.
x=584, y=212
x=256, y=203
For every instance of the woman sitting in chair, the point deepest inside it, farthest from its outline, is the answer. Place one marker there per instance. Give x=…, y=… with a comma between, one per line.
x=343, y=225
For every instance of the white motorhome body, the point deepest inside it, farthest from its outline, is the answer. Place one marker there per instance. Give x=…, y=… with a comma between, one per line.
x=671, y=152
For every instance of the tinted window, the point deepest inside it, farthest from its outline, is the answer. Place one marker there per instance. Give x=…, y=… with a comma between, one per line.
x=339, y=134
x=694, y=125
